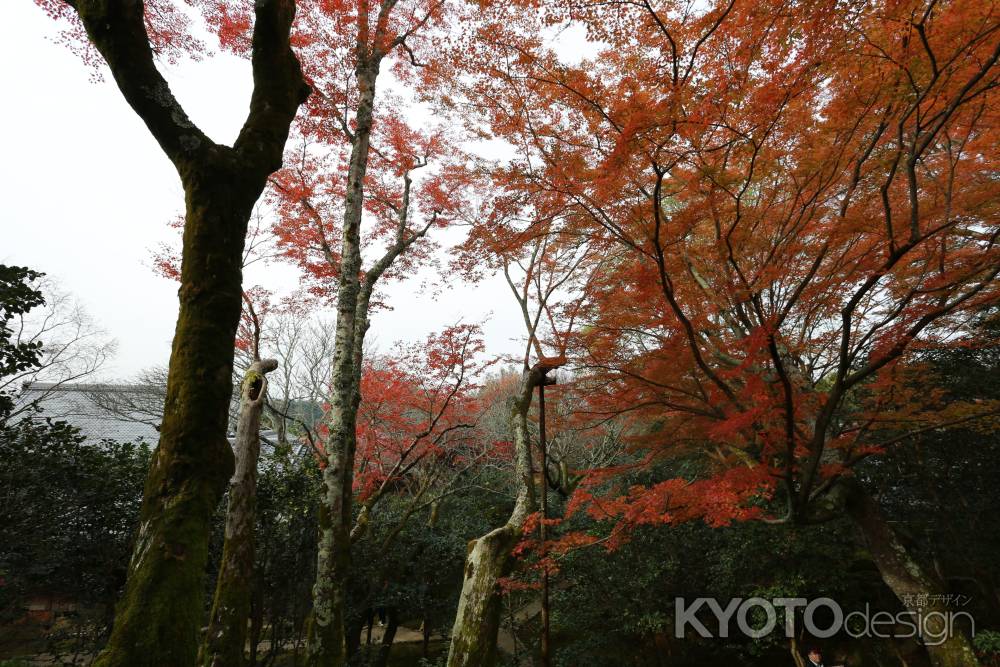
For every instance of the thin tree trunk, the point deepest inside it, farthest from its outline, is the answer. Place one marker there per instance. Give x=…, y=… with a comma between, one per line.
x=425, y=640
x=425, y=626
x=327, y=640
x=477, y=620
x=794, y=649
x=354, y=628
x=226, y=636
x=391, y=625
x=257, y=622
x=328, y=646
x=908, y=579
x=159, y=615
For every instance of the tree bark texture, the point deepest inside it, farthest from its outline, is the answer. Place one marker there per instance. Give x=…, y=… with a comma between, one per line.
x=226, y=636
x=327, y=642
x=910, y=581
x=159, y=616
x=477, y=620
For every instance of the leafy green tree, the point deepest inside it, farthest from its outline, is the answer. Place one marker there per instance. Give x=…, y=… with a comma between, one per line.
x=67, y=506
x=17, y=297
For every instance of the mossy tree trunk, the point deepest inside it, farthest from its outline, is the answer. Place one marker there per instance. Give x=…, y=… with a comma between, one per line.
x=158, y=619
x=477, y=620
x=159, y=616
x=226, y=636
x=910, y=581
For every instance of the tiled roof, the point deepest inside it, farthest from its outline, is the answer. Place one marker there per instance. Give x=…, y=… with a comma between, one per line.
x=84, y=406
x=121, y=412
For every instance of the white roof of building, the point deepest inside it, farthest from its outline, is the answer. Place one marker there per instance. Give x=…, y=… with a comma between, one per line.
x=120, y=412
x=83, y=406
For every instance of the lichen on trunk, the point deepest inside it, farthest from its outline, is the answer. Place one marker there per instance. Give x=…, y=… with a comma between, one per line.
x=327, y=644
x=158, y=618
x=477, y=620
x=327, y=639
x=226, y=635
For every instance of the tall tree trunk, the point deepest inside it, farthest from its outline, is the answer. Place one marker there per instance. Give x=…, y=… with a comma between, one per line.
x=327, y=646
x=388, y=637
x=226, y=636
x=257, y=622
x=161, y=611
x=425, y=638
x=159, y=616
x=477, y=620
x=908, y=579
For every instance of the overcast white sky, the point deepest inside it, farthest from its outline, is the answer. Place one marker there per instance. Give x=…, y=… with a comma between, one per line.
x=86, y=194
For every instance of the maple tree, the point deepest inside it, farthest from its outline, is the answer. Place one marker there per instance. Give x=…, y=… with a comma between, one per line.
x=358, y=188
x=159, y=616
x=420, y=443
x=739, y=222
x=782, y=190
x=544, y=269
x=417, y=420
x=355, y=167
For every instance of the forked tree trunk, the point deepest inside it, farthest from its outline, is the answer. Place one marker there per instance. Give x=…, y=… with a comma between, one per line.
x=477, y=620
x=161, y=611
x=910, y=581
x=226, y=636
x=794, y=649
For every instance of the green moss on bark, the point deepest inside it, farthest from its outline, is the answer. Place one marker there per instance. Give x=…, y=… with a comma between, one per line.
x=226, y=635
x=327, y=642
x=909, y=580
x=477, y=621
x=160, y=614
